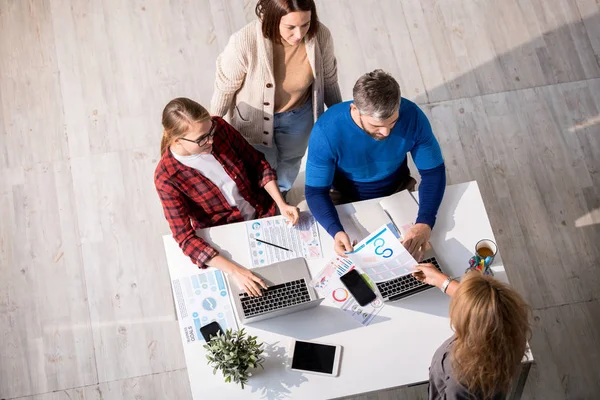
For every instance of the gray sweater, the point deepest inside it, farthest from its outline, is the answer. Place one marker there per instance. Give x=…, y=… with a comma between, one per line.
x=442, y=384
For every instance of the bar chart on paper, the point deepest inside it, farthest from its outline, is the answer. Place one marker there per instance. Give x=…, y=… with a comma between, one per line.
x=202, y=298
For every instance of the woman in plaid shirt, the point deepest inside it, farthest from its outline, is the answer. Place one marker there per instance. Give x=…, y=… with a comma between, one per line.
x=209, y=175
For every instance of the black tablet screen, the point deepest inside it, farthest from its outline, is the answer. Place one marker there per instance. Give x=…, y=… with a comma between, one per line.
x=313, y=357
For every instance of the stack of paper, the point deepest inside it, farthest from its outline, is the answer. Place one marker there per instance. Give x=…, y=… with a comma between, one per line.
x=380, y=257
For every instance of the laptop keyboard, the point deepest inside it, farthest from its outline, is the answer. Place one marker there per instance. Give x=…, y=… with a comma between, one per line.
x=275, y=298
x=405, y=285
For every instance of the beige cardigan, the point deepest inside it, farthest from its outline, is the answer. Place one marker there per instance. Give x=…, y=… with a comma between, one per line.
x=244, y=84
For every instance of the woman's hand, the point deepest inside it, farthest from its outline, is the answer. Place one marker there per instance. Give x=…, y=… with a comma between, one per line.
x=291, y=213
x=429, y=274
x=245, y=279
x=248, y=282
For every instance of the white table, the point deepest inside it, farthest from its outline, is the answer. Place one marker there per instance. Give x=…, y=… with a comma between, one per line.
x=395, y=350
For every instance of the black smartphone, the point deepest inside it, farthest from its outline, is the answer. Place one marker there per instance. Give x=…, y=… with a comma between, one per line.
x=361, y=291
x=211, y=329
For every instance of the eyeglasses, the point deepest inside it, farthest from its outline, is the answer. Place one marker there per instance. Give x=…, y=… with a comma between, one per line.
x=203, y=140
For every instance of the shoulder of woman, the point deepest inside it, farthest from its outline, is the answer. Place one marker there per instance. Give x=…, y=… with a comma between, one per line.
x=221, y=123
x=248, y=34
x=323, y=34
x=162, y=177
x=225, y=127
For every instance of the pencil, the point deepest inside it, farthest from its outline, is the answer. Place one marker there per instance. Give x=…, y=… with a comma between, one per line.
x=271, y=244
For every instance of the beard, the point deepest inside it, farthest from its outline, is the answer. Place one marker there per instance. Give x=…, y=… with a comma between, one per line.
x=377, y=136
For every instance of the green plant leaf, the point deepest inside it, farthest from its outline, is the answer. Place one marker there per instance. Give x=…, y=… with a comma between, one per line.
x=234, y=353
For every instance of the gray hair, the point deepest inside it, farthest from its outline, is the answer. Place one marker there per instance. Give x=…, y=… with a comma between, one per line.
x=377, y=94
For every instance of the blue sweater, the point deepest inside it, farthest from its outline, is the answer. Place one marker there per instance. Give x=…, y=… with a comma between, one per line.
x=342, y=155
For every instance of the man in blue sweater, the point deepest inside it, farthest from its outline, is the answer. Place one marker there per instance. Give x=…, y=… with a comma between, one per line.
x=359, y=150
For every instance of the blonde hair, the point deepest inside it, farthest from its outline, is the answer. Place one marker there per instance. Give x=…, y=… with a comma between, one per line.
x=177, y=117
x=491, y=326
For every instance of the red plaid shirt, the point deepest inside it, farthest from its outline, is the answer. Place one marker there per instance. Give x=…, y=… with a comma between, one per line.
x=191, y=201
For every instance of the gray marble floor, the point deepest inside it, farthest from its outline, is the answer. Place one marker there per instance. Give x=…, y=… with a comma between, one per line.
x=512, y=89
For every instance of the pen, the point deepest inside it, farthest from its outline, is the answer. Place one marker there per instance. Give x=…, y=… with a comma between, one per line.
x=271, y=244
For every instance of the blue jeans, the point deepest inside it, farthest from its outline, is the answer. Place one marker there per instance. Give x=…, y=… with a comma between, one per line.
x=291, y=130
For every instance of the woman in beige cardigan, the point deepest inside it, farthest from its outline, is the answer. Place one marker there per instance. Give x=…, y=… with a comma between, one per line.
x=274, y=79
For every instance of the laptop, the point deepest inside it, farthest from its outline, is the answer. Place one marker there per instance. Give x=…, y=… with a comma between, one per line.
x=406, y=286
x=405, y=208
x=288, y=291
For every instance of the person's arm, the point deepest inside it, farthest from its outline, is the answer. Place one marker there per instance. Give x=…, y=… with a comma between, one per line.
x=452, y=287
x=430, y=275
x=323, y=209
x=255, y=161
x=320, y=169
x=177, y=214
x=332, y=93
x=231, y=72
x=290, y=212
x=200, y=252
x=428, y=158
x=245, y=279
x=431, y=193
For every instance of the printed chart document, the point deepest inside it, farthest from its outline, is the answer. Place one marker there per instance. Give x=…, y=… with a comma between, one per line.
x=382, y=256
x=200, y=299
x=329, y=286
x=302, y=239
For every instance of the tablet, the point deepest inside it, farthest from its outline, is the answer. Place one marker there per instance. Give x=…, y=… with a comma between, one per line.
x=315, y=358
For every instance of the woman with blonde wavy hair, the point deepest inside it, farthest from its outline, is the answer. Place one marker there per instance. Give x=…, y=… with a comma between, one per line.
x=491, y=328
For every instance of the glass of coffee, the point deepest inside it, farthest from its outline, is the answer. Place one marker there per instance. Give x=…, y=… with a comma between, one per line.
x=486, y=249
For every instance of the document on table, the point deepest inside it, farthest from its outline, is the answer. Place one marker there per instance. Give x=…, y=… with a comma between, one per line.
x=200, y=299
x=329, y=286
x=302, y=239
x=381, y=255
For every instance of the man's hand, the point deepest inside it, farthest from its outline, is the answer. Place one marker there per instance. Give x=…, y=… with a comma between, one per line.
x=291, y=213
x=429, y=274
x=342, y=243
x=416, y=240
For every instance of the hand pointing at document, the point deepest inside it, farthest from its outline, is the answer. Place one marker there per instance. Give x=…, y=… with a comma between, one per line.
x=416, y=239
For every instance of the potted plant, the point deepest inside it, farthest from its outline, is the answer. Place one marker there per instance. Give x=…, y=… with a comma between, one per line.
x=234, y=354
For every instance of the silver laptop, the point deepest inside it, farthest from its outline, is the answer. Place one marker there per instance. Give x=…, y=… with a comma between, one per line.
x=406, y=286
x=405, y=210
x=288, y=291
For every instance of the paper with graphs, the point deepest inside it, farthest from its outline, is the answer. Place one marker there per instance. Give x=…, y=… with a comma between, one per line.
x=301, y=240
x=202, y=297
x=329, y=286
x=381, y=255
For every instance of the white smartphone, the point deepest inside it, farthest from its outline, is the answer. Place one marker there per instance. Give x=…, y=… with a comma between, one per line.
x=315, y=358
